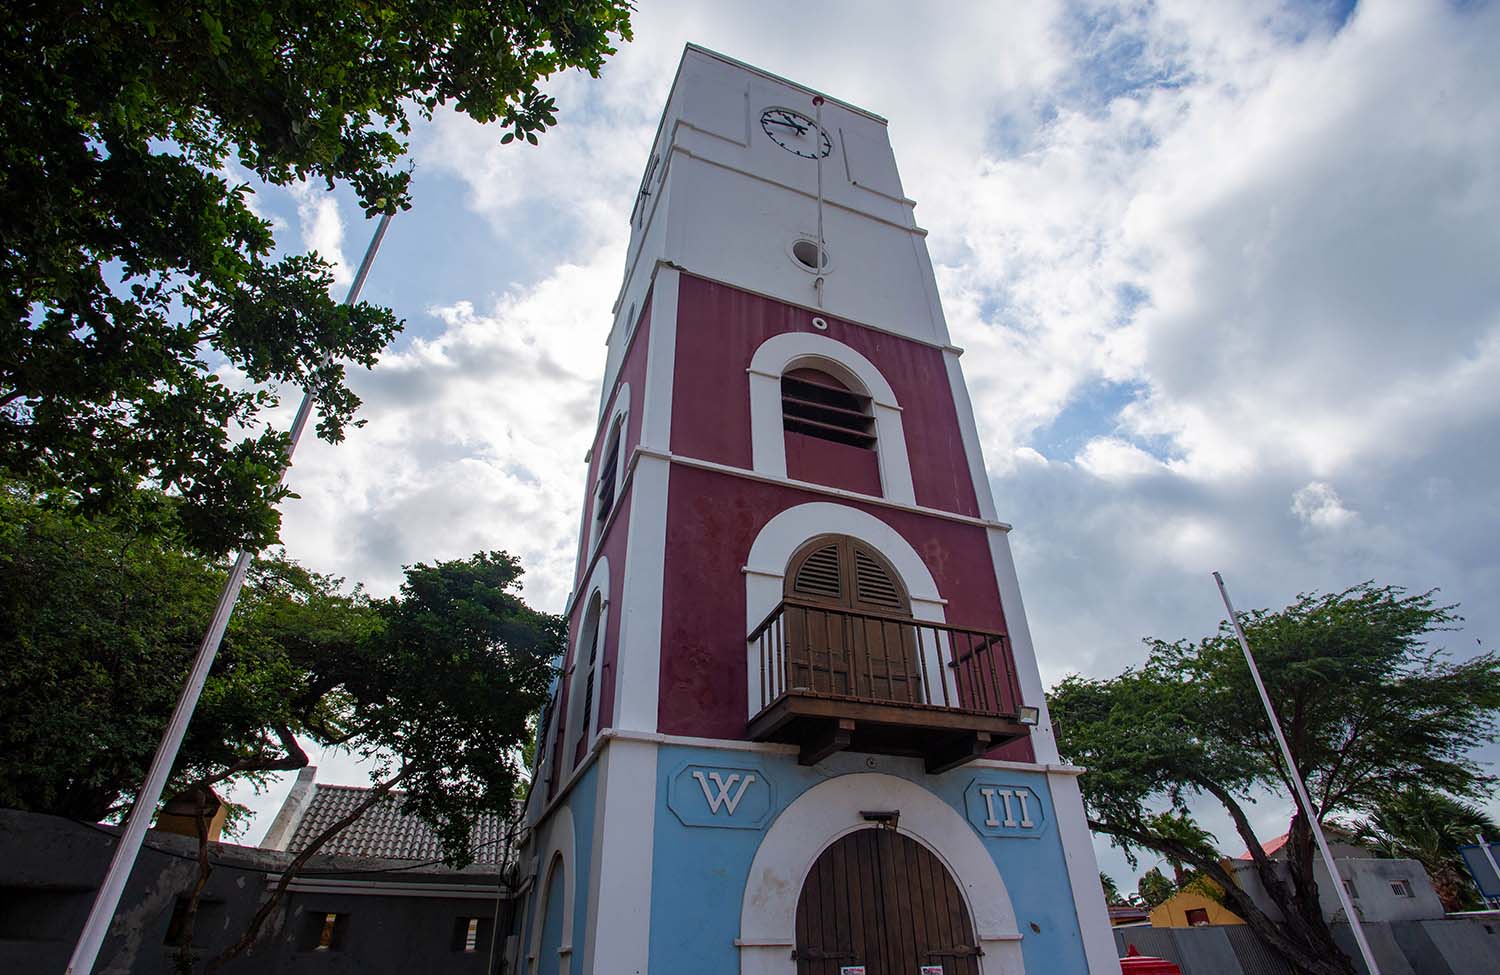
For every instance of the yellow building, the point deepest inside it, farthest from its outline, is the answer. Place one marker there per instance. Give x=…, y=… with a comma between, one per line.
x=1193, y=906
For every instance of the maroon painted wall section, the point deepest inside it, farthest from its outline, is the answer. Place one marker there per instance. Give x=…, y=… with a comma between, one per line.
x=712, y=520
x=718, y=330
x=613, y=545
x=632, y=371
x=834, y=464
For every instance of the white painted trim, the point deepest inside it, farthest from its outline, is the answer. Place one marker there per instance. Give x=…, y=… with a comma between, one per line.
x=661, y=362
x=1083, y=876
x=559, y=841
x=969, y=431
x=912, y=228
x=597, y=586
x=617, y=427
x=795, y=350
x=823, y=489
x=638, y=657
x=781, y=537
x=831, y=809
x=1023, y=654
x=771, y=748
x=625, y=828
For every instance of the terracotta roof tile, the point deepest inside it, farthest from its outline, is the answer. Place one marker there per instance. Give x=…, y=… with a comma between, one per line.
x=384, y=832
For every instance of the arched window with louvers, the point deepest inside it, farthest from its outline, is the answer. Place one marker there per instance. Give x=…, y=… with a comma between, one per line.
x=846, y=629
x=584, y=691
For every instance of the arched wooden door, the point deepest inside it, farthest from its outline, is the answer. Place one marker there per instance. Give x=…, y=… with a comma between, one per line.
x=844, y=631
x=881, y=900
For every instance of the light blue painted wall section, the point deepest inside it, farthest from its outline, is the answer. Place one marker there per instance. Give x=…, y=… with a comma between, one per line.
x=581, y=801
x=701, y=870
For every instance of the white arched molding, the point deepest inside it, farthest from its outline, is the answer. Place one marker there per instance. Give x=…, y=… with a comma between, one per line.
x=831, y=809
x=618, y=425
x=796, y=350
x=557, y=842
x=781, y=537
x=597, y=586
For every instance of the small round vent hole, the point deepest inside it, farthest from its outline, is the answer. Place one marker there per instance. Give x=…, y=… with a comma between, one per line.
x=806, y=253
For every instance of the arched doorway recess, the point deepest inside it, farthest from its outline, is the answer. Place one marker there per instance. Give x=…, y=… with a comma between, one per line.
x=878, y=900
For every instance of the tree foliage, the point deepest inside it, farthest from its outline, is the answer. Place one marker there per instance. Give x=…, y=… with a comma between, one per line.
x=136, y=274
x=435, y=686
x=1155, y=888
x=1364, y=701
x=101, y=621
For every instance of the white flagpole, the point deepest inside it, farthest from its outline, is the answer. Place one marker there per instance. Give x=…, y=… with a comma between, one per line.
x=1301, y=789
x=107, y=900
x=818, y=153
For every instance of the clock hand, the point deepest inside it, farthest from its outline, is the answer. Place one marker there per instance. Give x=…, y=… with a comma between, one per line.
x=791, y=125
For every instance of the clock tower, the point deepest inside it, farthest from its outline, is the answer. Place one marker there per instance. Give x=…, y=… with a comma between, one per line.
x=799, y=727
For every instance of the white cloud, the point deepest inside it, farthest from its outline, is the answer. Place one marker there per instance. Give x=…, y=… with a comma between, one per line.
x=1319, y=506
x=322, y=228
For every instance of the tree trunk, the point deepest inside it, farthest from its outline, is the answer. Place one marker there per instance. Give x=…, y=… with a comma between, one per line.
x=185, y=957
x=274, y=900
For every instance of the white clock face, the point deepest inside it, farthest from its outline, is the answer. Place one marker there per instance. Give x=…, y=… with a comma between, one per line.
x=794, y=132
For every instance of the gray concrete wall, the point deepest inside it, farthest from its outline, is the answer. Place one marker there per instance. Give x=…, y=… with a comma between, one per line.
x=1463, y=946
x=392, y=922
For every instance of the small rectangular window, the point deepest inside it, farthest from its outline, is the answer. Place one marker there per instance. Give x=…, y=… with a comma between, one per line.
x=1197, y=916
x=325, y=931
x=471, y=933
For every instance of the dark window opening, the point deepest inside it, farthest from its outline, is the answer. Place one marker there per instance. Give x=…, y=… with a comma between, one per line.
x=606, y=491
x=325, y=931
x=1197, y=916
x=471, y=934
x=817, y=405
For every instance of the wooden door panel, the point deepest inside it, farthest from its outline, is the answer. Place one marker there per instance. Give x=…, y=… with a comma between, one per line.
x=878, y=898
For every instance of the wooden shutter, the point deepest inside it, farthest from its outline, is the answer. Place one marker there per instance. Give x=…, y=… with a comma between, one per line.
x=874, y=585
x=821, y=575
x=817, y=405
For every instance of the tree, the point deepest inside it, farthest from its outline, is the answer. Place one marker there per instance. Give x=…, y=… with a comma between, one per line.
x=437, y=686
x=1155, y=888
x=443, y=705
x=136, y=278
x=1364, y=702
x=1421, y=824
x=101, y=620
x=1111, y=889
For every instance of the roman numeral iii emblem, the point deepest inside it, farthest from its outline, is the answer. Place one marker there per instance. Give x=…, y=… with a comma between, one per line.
x=724, y=787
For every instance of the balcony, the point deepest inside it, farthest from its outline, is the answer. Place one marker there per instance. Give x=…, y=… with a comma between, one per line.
x=834, y=679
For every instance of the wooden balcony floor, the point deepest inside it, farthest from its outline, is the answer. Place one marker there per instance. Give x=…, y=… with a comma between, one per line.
x=821, y=724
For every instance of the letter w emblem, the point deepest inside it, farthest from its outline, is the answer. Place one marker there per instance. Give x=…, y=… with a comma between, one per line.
x=724, y=787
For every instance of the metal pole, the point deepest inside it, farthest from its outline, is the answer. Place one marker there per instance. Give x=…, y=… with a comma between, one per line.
x=1301, y=789
x=107, y=900
x=1493, y=865
x=818, y=152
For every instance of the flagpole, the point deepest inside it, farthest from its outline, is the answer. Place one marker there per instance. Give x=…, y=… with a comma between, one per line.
x=107, y=900
x=1300, y=788
x=818, y=153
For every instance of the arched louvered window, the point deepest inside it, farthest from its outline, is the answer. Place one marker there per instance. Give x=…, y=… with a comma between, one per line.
x=844, y=633
x=818, y=405
x=843, y=571
x=585, y=673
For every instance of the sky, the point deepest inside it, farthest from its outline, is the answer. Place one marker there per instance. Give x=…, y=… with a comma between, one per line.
x=1225, y=275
